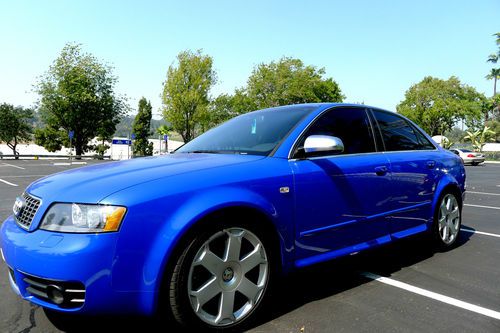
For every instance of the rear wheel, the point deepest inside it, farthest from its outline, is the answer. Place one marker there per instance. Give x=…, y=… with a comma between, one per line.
x=221, y=278
x=447, y=220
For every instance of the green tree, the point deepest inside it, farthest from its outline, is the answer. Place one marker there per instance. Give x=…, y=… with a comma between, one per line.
x=455, y=134
x=77, y=95
x=436, y=105
x=494, y=126
x=15, y=126
x=185, y=93
x=226, y=106
x=479, y=138
x=142, y=129
x=289, y=81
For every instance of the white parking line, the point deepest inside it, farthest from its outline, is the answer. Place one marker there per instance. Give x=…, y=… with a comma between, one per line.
x=8, y=183
x=433, y=295
x=64, y=163
x=479, y=206
x=485, y=193
x=480, y=232
x=24, y=176
x=14, y=166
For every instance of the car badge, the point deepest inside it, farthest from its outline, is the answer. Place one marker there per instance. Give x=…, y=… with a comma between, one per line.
x=19, y=205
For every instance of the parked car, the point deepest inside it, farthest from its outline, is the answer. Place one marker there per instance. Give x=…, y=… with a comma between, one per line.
x=202, y=234
x=469, y=156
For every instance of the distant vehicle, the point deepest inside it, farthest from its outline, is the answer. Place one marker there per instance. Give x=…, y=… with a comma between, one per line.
x=469, y=156
x=201, y=235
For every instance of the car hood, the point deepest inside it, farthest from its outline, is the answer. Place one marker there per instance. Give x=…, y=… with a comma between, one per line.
x=91, y=184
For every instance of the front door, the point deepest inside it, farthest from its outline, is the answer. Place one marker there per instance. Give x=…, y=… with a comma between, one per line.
x=341, y=199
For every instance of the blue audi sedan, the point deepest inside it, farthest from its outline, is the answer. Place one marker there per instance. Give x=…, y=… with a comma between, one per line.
x=202, y=234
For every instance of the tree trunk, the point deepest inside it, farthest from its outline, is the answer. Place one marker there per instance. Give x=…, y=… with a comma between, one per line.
x=78, y=150
x=13, y=147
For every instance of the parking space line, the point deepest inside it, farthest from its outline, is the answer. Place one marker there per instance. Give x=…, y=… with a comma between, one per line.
x=433, y=295
x=14, y=166
x=62, y=163
x=480, y=232
x=485, y=193
x=25, y=176
x=479, y=206
x=8, y=183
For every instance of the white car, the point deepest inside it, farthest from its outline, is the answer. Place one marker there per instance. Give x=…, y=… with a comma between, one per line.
x=469, y=156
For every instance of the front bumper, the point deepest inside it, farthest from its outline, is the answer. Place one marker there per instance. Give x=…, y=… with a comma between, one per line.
x=79, y=264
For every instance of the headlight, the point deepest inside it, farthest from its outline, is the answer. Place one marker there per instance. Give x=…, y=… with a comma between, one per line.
x=83, y=218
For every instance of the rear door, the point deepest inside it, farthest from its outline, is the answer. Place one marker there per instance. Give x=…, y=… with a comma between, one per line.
x=414, y=163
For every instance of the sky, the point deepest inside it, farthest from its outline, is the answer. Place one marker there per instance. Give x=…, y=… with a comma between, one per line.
x=375, y=50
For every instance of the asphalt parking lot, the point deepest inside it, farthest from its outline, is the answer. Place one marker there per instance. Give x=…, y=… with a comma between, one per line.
x=403, y=287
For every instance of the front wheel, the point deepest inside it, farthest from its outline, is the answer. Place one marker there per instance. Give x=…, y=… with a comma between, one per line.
x=447, y=221
x=220, y=279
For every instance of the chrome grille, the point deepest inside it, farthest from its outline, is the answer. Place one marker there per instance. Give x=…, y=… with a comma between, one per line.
x=28, y=212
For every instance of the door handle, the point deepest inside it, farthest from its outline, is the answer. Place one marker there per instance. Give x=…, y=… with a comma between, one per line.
x=431, y=164
x=381, y=170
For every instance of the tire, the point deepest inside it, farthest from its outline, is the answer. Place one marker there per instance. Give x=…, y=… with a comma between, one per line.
x=221, y=278
x=474, y=163
x=447, y=221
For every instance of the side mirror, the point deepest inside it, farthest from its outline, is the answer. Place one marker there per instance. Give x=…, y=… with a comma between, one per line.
x=322, y=145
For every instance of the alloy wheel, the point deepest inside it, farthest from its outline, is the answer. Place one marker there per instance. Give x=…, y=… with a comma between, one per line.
x=228, y=276
x=449, y=219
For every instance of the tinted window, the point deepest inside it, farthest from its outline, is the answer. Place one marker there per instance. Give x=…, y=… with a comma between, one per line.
x=424, y=142
x=398, y=134
x=351, y=125
x=256, y=133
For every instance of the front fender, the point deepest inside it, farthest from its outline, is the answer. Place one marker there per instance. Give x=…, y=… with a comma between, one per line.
x=195, y=209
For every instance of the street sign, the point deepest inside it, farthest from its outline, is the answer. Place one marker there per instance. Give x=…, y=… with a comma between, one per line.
x=165, y=137
x=121, y=142
x=71, y=134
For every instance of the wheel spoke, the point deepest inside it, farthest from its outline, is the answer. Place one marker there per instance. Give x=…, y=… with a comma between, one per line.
x=208, y=291
x=448, y=204
x=453, y=228
x=226, y=307
x=442, y=209
x=249, y=289
x=209, y=260
x=442, y=222
x=233, y=246
x=445, y=233
x=253, y=259
x=454, y=214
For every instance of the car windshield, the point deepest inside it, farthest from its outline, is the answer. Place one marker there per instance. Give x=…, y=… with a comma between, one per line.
x=466, y=151
x=254, y=133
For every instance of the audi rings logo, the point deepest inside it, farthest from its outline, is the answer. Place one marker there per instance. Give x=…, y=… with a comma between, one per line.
x=18, y=206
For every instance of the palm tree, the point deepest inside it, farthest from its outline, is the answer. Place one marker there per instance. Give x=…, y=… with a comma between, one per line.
x=497, y=35
x=495, y=75
x=493, y=58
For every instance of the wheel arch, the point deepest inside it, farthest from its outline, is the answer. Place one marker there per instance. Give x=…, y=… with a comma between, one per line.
x=447, y=185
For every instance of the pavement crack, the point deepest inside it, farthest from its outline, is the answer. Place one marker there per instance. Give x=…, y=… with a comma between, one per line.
x=32, y=320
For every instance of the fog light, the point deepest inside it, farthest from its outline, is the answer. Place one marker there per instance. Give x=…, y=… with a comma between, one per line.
x=55, y=294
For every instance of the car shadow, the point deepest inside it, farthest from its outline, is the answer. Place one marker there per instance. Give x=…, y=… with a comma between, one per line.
x=308, y=285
